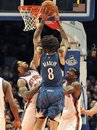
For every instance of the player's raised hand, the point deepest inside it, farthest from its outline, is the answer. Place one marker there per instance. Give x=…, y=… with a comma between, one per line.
x=45, y=13
x=17, y=124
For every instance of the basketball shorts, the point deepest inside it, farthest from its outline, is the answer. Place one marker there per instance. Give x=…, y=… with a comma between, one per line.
x=50, y=101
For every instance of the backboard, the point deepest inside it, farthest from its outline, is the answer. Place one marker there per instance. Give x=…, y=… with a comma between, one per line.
x=71, y=10
x=80, y=10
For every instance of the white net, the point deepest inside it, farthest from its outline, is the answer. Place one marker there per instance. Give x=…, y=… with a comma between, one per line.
x=31, y=21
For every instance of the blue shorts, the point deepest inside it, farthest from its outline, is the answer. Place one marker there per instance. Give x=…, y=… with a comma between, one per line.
x=50, y=101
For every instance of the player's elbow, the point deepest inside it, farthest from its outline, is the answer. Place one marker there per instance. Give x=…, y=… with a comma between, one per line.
x=26, y=96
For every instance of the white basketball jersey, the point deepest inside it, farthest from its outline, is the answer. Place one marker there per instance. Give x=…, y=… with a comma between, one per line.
x=72, y=106
x=2, y=103
x=71, y=112
x=32, y=79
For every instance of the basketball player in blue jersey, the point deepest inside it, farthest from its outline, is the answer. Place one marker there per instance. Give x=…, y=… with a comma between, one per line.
x=50, y=56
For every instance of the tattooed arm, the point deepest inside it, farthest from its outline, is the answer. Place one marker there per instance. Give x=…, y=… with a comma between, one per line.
x=26, y=94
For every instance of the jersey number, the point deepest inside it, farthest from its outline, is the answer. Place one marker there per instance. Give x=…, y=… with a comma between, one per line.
x=50, y=74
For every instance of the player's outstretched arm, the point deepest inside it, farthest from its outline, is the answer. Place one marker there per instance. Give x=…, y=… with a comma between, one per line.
x=90, y=112
x=37, y=39
x=63, y=33
x=37, y=46
x=37, y=33
x=64, y=43
x=12, y=103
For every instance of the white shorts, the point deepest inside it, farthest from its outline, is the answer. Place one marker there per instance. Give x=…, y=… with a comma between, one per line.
x=2, y=123
x=69, y=124
x=30, y=115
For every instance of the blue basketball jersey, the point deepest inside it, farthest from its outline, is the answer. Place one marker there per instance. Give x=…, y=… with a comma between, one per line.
x=51, y=71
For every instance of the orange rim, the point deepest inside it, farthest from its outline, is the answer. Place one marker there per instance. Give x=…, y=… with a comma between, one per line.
x=33, y=8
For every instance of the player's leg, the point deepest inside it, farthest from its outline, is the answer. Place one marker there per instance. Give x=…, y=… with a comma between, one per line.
x=29, y=119
x=53, y=125
x=30, y=115
x=40, y=124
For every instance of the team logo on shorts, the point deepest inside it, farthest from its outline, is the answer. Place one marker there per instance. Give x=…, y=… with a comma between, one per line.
x=71, y=61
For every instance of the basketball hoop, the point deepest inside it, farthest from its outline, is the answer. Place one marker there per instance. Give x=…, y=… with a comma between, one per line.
x=30, y=15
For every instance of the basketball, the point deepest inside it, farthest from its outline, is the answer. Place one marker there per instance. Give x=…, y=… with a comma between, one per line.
x=51, y=7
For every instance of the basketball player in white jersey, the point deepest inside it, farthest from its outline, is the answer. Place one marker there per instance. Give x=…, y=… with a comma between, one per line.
x=28, y=84
x=71, y=118
x=91, y=111
x=6, y=92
